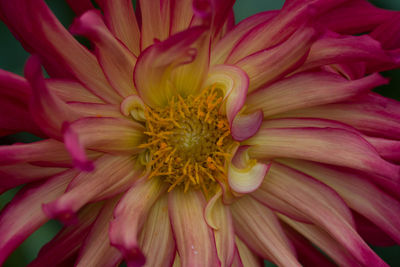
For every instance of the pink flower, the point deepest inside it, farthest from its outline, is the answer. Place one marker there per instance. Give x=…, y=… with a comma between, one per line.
x=183, y=138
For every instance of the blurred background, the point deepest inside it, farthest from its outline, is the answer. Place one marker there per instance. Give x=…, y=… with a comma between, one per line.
x=13, y=57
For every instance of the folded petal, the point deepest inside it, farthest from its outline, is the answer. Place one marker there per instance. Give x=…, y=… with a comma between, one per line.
x=121, y=20
x=244, y=174
x=387, y=149
x=218, y=216
x=115, y=59
x=321, y=88
x=49, y=111
x=259, y=228
x=68, y=240
x=246, y=125
x=96, y=249
x=271, y=64
x=321, y=145
x=247, y=257
x=112, y=175
x=323, y=206
x=194, y=238
x=177, y=65
x=156, y=239
x=48, y=38
x=23, y=215
x=360, y=194
x=130, y=216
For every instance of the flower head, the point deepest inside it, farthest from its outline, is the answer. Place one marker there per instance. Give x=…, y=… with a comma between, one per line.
x=181, y=138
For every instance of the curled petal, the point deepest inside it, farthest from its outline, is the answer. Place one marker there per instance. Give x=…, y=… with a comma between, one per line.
x=156, y=239
x=116, y=60
x=156, y=66
x=245, y=175
x=246, y=125
x=130, y=216
x=194, y=239
x=133, y=106
x=23, y=215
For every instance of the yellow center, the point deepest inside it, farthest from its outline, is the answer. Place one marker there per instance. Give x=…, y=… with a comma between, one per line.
x=189, y=141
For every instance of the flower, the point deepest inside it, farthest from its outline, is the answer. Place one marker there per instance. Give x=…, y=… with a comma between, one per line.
x=181, y=138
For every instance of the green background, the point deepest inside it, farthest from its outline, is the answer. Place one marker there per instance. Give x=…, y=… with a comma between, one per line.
x=12, y=58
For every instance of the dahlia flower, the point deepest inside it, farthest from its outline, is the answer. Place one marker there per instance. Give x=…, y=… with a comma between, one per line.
x=180, y=138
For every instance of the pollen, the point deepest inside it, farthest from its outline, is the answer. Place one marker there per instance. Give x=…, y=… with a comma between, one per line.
x=189, y=141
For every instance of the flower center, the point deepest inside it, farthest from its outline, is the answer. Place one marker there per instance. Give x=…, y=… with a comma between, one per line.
x=189, y=141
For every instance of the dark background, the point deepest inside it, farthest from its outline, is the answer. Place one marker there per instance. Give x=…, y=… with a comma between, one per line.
x=13, y=57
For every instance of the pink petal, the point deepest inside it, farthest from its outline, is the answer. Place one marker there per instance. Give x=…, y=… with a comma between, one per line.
x=247, y=125
x=322, y=88
x=112, y=175
x=80, y=6
x=245, y=175
x=71, y=91
x=321, y=145
x=96, y=110
x=360, y=194
x=166, y=65
x=259, y=228
x=218, y=216
x=68, y=240
x=322, y=205
x=23, y=215
x=156, y=239
x=96, y=249
x=194, y=239
x=388, y=33
x=121, y=20
x=53, y=43
x=115, y=59
x=247, y=257
x=387, y=149
x=271, y=64
x=49, y=112
x=130, y=216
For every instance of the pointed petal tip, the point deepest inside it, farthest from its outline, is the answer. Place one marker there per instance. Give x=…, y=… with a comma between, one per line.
x=64, y=214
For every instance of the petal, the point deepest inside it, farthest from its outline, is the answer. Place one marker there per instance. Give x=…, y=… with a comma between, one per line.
x=121, y=20
x=247, y=257
x=96, y=249
x=116, y=60
x=69, y=90
x=360, y=194
x=80, y=6
x=387, y=149
x=246, y=125
x=130, y=216
x=47, y=37
x=110, y=135
x=323, y=241
x=322, y=88
x=14, y=86
x=96, y=110
x=49, y=112
x=388, y=33
x=218, y=216
x=68, y=240
x=156, y=239
x=323, y=207
x=111, y=176
x=165, y=64
x=333, y=48
x=269, y=65
x=23, y=215
x=194, y=239
x=245, y=175
x=321, y=145
x=259, y=228
x=222, y=49
x=18, y=174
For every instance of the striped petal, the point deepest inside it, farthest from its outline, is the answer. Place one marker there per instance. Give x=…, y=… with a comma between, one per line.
x=323, y=206
x=121, y=20
x=71, y=91
x=165, y=65
x=111, y=176
x=247, y=257
x=194, y=238
x=259, y=228
x=96, y=249
x=115, y=59
x=322, y=88
x=23, y=215
x=68, y=240
x=269, y=65
x=130, y=216
x=156, y=239
x=321, y=145
x=360, y=194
